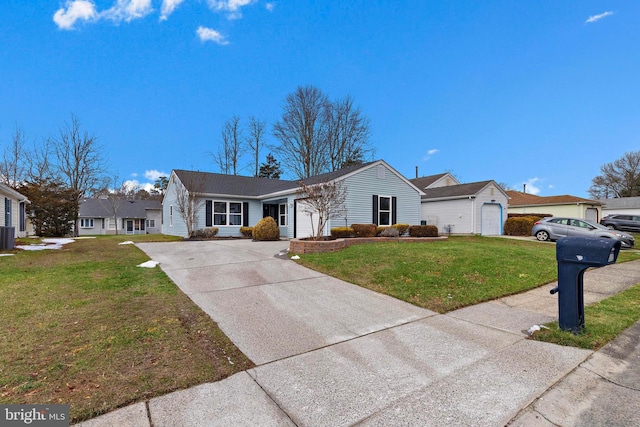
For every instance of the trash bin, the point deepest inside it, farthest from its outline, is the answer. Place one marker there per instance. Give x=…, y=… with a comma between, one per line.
x=575, y=255
x=7, y=240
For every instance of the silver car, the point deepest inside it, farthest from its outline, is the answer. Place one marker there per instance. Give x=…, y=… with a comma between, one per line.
x=552, y=228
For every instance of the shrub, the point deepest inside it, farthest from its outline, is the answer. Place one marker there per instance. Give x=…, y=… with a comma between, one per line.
x=204, y=233
x=342, y=232
x=365, y=230
x=266, y=229
x=519, y=226
x=246, y=231
x=423, y=231
x=390, y=232
x=402, y=228
x=380, y=229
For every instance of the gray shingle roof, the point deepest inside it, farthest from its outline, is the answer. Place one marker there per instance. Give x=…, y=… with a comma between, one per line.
x=621, y=203
x=425, y=181
x=249, y=186
x=461, y=190
x=232, y=185
x=101, y=208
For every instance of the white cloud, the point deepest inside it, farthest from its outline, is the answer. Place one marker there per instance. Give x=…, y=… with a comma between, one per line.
x=270, y=6
x=66, y=17
x=429, y=153
x=232, y=7
x=128, y=10
x=134, y=185
x=167, y=8
x=596, y=18
x=208, y=34
x=531, y=187
x=154, y=174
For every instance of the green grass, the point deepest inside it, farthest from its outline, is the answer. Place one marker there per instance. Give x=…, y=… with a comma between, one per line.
x=84, y=326
x=603, y=322
x=445, y=275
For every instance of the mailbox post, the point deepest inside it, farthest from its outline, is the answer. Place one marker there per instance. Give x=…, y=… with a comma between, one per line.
x=574, y=256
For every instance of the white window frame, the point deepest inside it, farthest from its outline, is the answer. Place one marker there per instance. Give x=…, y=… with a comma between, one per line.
x=385, y=211
x=283, y=214
x=227, y=218
x=86, y=222
x=170, y=215
x=151, y=223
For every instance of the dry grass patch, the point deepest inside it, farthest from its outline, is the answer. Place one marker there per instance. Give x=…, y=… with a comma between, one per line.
x=86, y=327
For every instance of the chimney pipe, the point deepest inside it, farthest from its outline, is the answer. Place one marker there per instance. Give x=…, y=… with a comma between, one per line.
x=524, y=188
x=416, y=171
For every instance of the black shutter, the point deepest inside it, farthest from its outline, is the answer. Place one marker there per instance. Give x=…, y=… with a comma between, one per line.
x=375, y=210
x=208, y=218
x=394, y=204
x=245, y=214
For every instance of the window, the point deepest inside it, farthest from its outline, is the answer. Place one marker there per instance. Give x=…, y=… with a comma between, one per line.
x=384, y=211
x=111, y=223
x=227, y=213
x=170, y=216
x=151, y=223
x=7, y=212
x=86, y=223
x=283, y=214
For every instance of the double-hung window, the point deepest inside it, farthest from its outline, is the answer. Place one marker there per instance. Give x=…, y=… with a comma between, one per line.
x=227, y=213
x=86, y=222
x=283, y=214
x=384, y=210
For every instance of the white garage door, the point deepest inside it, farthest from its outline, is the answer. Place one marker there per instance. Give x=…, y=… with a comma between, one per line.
x=592, y=214
x=490, y=219
x=303, y=222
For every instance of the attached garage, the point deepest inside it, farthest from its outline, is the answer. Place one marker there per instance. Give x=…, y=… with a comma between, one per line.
x=491, y=214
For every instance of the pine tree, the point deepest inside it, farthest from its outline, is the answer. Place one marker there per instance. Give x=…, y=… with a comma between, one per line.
x=271, y=168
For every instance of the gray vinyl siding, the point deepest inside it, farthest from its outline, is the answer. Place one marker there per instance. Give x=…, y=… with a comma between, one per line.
x=255, y=214
x=172, y=226
x=456, y=213
x=365, y=183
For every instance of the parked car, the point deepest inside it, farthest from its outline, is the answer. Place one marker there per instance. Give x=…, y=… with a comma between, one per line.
x=552, y=228
x=622, y=222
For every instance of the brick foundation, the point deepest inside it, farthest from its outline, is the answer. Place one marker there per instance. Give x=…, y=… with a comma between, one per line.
x=312, y=246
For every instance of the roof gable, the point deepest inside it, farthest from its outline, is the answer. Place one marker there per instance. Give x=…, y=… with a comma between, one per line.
x=432, y=181
x=458, y=191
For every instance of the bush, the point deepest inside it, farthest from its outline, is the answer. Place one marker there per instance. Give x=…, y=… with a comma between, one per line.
x=519, y=226
x=390, y=232
x=342, y=232
x=402, y=228
x=365, y=230
x=246, y=231
x=206, y=233
x=266, y=229
x=423, y=231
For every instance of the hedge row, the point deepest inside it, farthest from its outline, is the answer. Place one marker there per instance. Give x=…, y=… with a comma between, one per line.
x=520, y=225
x=396, y=230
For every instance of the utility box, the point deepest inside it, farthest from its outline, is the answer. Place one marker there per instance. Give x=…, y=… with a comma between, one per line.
x=575, y=255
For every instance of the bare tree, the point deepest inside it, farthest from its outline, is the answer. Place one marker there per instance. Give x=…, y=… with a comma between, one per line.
x=13, y=168
x=325, y=200
x=79, y=160
x=255, y=141
x=187, y=198
x=39, y=162
x=232, y=147
x=620, y=178
x=347, y=134
x=302, y=132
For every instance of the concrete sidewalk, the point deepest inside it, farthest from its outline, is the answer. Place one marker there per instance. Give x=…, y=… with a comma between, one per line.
x=329, y=353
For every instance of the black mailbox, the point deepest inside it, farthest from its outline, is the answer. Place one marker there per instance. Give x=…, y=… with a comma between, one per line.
x=574, y=256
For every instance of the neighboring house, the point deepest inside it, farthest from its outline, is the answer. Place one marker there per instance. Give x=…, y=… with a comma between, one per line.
x=565, y=205
x=106, y=216
x=622, y=205
x=15, y=212
x=474, y=208
x=376, y=193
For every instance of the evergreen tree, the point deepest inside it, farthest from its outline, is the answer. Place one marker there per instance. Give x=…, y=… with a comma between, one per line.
x=271, y=168
x=53, y=206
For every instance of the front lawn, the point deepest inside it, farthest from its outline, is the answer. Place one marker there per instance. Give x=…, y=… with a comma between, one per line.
x=84, y=326
x=445, y=275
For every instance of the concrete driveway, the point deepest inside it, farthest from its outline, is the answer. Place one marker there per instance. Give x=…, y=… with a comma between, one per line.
x=334, y=354
x=269, y=306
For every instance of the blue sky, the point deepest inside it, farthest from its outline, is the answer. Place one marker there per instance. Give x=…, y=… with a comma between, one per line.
x=540, y=92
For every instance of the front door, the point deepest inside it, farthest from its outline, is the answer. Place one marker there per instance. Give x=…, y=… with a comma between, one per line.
x=129, y=226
